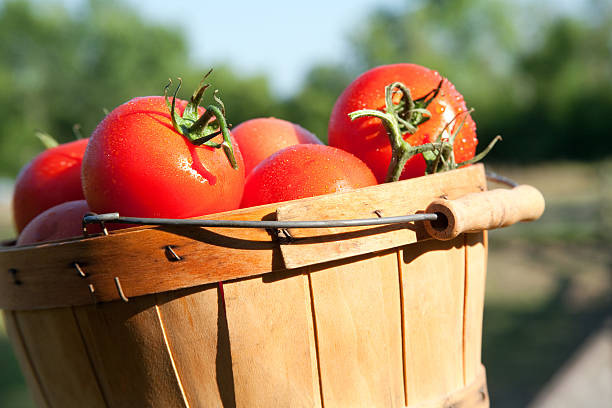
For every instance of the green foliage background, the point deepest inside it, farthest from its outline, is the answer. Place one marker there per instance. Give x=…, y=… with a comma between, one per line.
x=540, y=78
x=58, y=70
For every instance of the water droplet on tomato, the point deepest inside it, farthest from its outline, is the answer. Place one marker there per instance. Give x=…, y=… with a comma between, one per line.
x=440, y=109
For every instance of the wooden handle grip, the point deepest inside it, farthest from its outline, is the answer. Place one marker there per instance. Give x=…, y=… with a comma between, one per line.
x=483, y=211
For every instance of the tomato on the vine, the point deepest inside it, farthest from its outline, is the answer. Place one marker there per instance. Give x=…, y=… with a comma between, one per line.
x=305, y=170
x=261, y=137
x=446, y=115
x=51, y=178
x=144, y=161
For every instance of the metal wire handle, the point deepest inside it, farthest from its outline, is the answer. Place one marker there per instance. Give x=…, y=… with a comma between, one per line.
x=116, y=218
x=101, y=219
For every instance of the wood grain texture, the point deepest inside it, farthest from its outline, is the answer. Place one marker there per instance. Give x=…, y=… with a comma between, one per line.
x=130, y=354
x=59, y=356
x=433, y=297
x=272, y=341
x=475, y=272
x=25, y=362
x=196, y=330
x=357, y=317
x=390, y=285
x=312, y=246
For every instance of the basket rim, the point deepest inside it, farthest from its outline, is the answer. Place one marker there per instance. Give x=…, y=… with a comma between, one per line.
x=144, y=260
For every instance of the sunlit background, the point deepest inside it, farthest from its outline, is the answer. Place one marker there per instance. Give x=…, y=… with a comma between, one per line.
x=537, y=73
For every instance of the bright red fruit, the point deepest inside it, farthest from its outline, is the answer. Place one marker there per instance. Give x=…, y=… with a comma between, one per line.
x=58, y=222
x=138, y=164
x=51, y=178
x=304, y=170
x=367, y=138
x=261, y=137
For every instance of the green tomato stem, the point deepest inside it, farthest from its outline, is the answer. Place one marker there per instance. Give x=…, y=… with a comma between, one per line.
x=401, y=150
x=201, y=130
x=227, y=146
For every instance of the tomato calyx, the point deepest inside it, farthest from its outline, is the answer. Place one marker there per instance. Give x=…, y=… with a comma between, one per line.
x=408, y=112
x=203, y=129
x=400, y=118
x=404, y=117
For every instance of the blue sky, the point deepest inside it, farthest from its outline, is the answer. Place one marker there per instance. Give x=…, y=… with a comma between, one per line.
x=278, y=37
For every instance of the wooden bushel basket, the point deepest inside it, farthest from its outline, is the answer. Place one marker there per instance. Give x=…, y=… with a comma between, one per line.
x=341, y=317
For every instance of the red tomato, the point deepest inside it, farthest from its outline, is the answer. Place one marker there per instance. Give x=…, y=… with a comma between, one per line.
x=367, y=138
x=261, y=137
x=58, y=222
x=304, y=170
x=51, y=178
x=137, y=164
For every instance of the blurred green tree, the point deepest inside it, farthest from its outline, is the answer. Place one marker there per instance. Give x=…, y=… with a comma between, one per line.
x=454, y=37
x=59, y=69
x=538, y=76
x=569, y=77
x=311, y=106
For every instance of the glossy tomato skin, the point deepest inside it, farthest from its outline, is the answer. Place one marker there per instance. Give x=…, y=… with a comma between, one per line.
x=59, y=222
x=261, y=137
x=51, y=178
x=367, y=139
x=138, y=165
x=305, y=170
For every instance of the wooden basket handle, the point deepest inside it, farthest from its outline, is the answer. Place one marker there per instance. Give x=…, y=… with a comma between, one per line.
x=483, y=211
